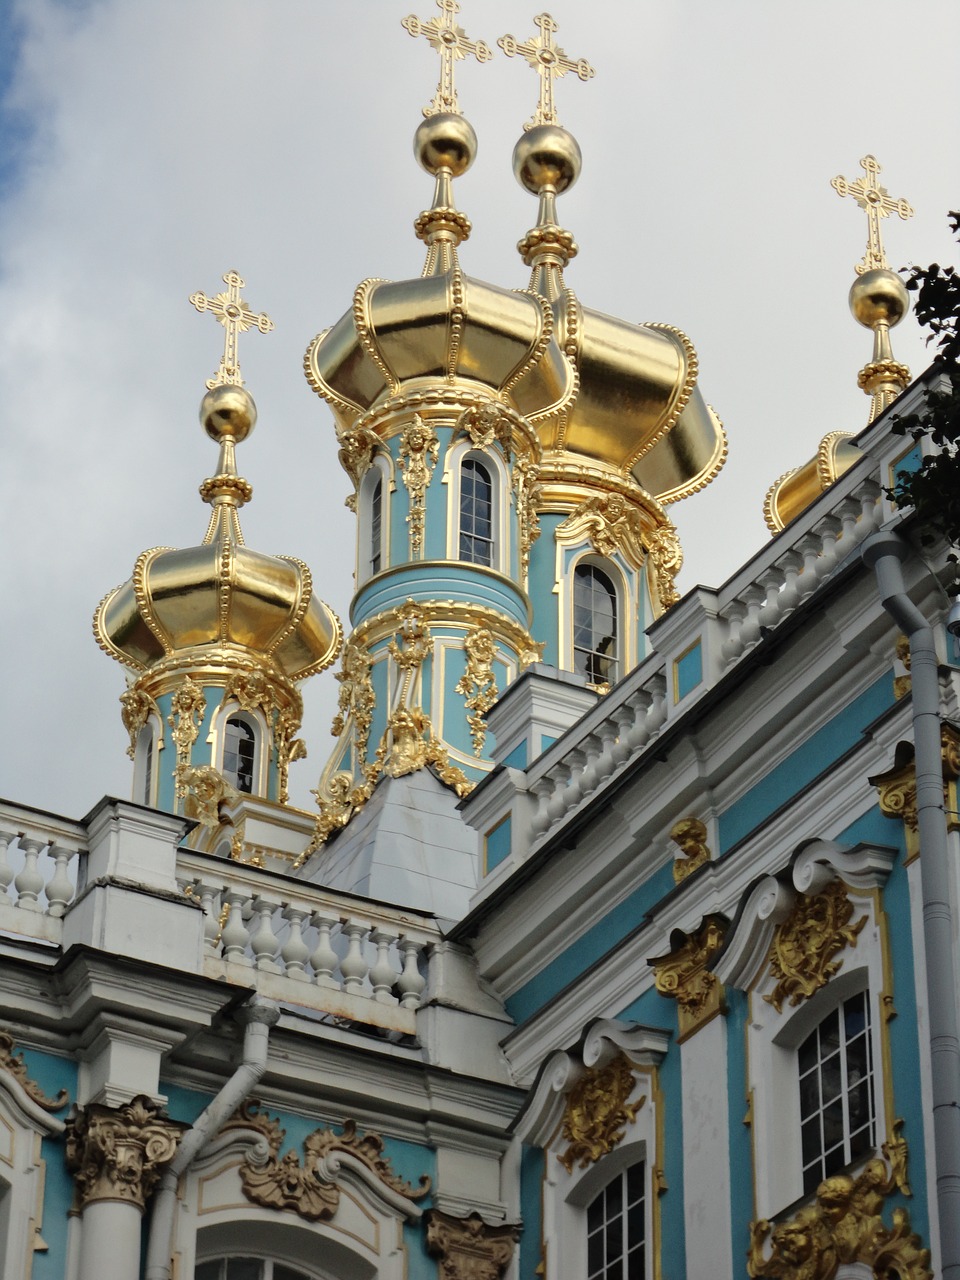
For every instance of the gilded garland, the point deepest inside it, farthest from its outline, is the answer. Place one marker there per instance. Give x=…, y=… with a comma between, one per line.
x=136, y=707
x=597, y=1112
x=805, y=944
x=187, y=705
x=478, y=684
x=356, y=698
x=419, y=446
x=527, y=490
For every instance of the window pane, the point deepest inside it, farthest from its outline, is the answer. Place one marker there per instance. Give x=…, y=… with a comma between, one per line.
x=238, y=754
x=244, y=1269
x=476, y=513
x=207, y=1271
x=595, y=624
x=615, y=1228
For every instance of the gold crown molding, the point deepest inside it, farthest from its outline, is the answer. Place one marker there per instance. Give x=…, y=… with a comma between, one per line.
x=454, y=614
x=467, y=1248
x=13, y=1064
x=478, y=684
x=225, y=485
x=136, y=707
x=682, y=394
x=144, y=603
x=119, y=1154
x=709, y=473
x=682, y=975
x=216, y=666
x=548, y=60
x=572, y=335
x=308, y=1189
x=597, y=1112
x=844, y=1227
x=442, y=404
x=103, y=640
x=804, y=945
x=897, y=788
x=364, y=327
x=442, y=219
x=568, y=481
x=458, y=314
x=826, y=456
x=690, y=837
x=770, y=516
x=419, y=447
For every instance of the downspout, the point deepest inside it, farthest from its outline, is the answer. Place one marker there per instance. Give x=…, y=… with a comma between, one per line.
x=259, y=1016
x=884, y=553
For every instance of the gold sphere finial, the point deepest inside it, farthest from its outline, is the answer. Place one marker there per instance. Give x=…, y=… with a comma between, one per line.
x=228, y=410
x=879, y=297
x=445, y=142
x=547, y=157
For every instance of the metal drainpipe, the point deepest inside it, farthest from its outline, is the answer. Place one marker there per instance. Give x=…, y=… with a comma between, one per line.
x=884, y=552
x=259, y=1016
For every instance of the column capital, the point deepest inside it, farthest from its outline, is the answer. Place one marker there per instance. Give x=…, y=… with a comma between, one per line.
x=118, y=1153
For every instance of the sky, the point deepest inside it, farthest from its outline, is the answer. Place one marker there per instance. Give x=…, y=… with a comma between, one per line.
x=148, y=146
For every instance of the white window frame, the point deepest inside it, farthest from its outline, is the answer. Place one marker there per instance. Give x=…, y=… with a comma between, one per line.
x=147, y=755
x=380, y=469
x=613, y=570
x=500, y=482
x=263, y=741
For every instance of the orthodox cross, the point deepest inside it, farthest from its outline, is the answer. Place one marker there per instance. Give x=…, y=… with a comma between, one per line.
x=549, y=62
x=236, y=317
x=451, y=42
x=878, y=203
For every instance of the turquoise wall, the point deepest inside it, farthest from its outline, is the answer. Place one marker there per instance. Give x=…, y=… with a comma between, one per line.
x=52, y=1074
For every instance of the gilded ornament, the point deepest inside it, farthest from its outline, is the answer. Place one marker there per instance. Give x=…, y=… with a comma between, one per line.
x=469, y=1249
x=250, y=690
x=203, y=789
x=844, y=1227
x=877, y=203
x=187, y=704
x=357, y=698
x=804, y=945
x=309, y=1189
x=357, y=448
x=690, y=835
x=486, y=423
x=666, y=559
x=411, y=644
x=902, y=683
x=597, y=1112
x=526, y=487
x=897, y=787
x=419, y=446
x=289, y=748
x=682, y=975
x=15, y=1066
x=119, y=1153
x=550, y=63
x=611, y=523
x=236, y=317
x=478, y=684
x=136, y=707
x=451, y=42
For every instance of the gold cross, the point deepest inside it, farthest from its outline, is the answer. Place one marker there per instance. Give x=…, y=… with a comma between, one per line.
x=451, y=42
x=236, y=317
x=878, y=203
x=549, y=62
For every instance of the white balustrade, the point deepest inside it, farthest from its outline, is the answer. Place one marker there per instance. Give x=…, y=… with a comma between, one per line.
x=38, y=872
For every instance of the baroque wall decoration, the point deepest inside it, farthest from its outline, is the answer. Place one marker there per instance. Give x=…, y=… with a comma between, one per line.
x=136, y=707
x=478, y=684
x=806, y=942
x=469, y=1249
x=119, y=1153
x=597, y=1112
x=897, y=787
x=683, y=975
x=419, y=446
x=690, y=836
x=15, y=1066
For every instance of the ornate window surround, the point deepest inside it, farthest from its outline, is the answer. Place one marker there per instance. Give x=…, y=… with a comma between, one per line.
x=773, y=1036
x=620, y=577
x=381, y=468
x=256, y=720
x=607, y=1146
x=492, y=460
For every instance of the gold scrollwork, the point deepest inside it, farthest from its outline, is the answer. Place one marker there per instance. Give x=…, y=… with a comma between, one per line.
x=690, y=835
x=527, y=488
x=250, y=690
x=187, y=704
x=804, y=945
x=136, y=707
x=611, y=523
x=844, y=1227
x=485, y=423
x=357, y=447
x=597, y=1112
x=478, y=684
x=419, y=446
x=289, y=748
x=682, y=975
x=307, y=1189
x=15, y=1066
x=356, y=695
x=666, y=561
x=467, y=1248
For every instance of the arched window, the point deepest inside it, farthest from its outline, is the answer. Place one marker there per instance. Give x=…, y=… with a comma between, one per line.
x=376, y=526
x=143, y=771
x=476, y=513
x=239, y=754
x=246, y=1269
x=616, y=1228
x=837, y=1107
x=594, y=625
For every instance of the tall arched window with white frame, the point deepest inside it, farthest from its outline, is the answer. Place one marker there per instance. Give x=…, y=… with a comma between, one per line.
x=595, y=624
x=376, y=525
x=239, y=753
x=476, y=512
x=247, y=1268
x=617, y=1228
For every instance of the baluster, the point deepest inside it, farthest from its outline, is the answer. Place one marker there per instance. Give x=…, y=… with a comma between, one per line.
x=411, y=982
x=543, y=790
x=639, y=734
x=606, y=760
x=808, y=547
x=263, y=943
x=234, y=933
x=871, y=512
x=353, y=966
x=60, y=888
x=734, y=614
x=382, y=973
x=207, y=894
x=576, y=789
x=624, y=717
x=790, y=564
x=849, y=513
x=6, y=871
x=657, y=715
x=753, y=598
x=295, y=953
x=558, y=801
x=29, y=882
x=828, y=530
x=771, y=580
x=324, y=959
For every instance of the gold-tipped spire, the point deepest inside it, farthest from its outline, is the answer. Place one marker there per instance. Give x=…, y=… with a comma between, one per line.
x=453, y=45
x=878, y=298
x=236, y=317
x=550, y=63
x=547, y=159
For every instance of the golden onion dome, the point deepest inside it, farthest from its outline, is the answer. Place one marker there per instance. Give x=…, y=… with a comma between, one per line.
x=218, y=600
x=797, y=489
